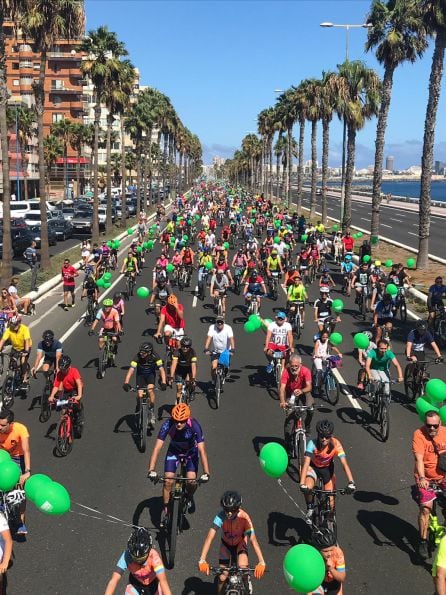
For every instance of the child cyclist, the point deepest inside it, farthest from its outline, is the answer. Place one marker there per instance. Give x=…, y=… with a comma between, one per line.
x=236, y=527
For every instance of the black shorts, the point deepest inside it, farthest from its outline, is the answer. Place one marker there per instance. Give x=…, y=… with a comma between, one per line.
x=68, y=288
x=151, y=589
x=181, y=373
x=228, y=554
x=49, y=360
x=143, y=380
x=324, y=473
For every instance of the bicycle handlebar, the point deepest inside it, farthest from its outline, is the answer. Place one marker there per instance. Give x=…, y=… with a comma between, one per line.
x=231, y=569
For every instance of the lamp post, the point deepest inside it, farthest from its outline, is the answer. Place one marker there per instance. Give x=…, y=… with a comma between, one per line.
x=347, y=28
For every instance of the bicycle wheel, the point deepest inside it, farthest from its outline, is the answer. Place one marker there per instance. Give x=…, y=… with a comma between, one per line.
x=403, y=311
x=64, y=442
x=297, y=325
x=278, y=374
x=384, y=419
x=142, y=421
x=103, y=361
x=7, y=395
x=331, y=389
x=173, y=529
x=300, y=452
x=217, y=389
x=409, y=383
x=45, y=409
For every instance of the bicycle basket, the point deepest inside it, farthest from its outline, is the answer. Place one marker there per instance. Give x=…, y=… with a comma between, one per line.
x=335, y=361
x=224, y=358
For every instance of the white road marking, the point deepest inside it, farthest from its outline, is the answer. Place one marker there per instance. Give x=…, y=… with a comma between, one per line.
x=345, y=390
x=364, y=219
x=412, y=233
x=194, y=301
x=399, y=221
x=384, y=225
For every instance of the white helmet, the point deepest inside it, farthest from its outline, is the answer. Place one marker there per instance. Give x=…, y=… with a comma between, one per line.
x=324, y=290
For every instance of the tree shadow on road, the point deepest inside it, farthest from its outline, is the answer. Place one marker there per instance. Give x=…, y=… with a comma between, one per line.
x=195, y=586
x=259, y=441
x=285, y=530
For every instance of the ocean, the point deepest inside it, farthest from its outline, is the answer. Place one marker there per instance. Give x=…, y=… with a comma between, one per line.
x=407, y=188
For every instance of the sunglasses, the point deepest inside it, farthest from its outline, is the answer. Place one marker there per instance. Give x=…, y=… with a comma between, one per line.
x=180, y=423
x=432, y=426
x=325, y=437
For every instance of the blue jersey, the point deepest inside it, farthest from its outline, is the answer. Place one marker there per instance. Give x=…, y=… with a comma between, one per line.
x=50, y=350
x=183, y=441
x=419, y=341
x=346, y=267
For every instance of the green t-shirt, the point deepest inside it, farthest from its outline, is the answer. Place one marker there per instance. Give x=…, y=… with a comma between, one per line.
x=381, y=363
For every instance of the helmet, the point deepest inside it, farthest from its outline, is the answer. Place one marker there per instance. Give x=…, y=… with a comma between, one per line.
x=323, y=538
x=325, y=428
x=139, y=543
x=292, y=270
x=325, y=269
x=231, y=501
x=273, y=252
x=15, y=321
x=368, y=334
x=172, y=300
x=48, y=336
x=181, y=412
x=347, y=258
x=117, y=296
x=421, y=326
x=147, y=347
x=64, y=362
x=251, y=265
x=107, y=303
x=254, y=272
x=324, y=289
x=186, y=342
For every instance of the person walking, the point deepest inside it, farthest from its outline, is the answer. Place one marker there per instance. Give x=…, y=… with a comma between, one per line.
x=30, y=256
x=69, y=272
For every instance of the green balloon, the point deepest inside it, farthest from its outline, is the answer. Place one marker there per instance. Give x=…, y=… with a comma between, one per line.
x=226, y=245
x=107, y=276
x=9, y=475
x=143, y=292
x=197, y=217
x=338, y=305
x=116, y=244
x=410, y=262
x=361, y=341
x=374, y=240
x=436, y=390
x=100, y=282
x=208, y=266
x=139, y=249
x=255, y=320
x=442, y=414
x=388, y=263
x=359, y=234
x=189, y=221
x=391, y=289
x=185, y=238
x=304, y=568
x=422, y=406
x=34, y=484
x=336, y=338
x=170, y=268
x=107, y=284
x=355, y=236
x=250, y=327
x=149, y=245
x=4, y=456
x=110, y=244
x=277, y=240
x=129, y=231
x=273, y=459
x=366, y=258
x=335, y=227
x=304, y=237
x=53, y=499
x=252, y=220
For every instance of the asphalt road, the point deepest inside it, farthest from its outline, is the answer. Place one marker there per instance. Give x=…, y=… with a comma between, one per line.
x=397, y=223
x=76, y=553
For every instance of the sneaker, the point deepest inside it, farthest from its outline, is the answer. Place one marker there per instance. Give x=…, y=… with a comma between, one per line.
x=360, y=385
x=191, y=505
x=24, y=386
x=73, y=305
x=152, y=417
x=423, y=550
x=65, y=308
x=309, y=516
x=22, y=530
x=269, y=368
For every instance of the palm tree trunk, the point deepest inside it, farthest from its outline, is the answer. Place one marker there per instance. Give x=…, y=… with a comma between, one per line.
x=24, y=169
x=108, y=216
x=95, y=224
x=180, y=178
x=270, y=150
x=313, y=168
x=325, y=149
x=138, y=177
x=165, y=146
x=65, y=169
x=6, y=263
x=290, y=164
x=146, y=178
x=428, y=149
x=123, y=177
x=379, y=151
x=300, y=171
x=39, y=92
x=277, y=173
x=351, y=141
x=78, y=171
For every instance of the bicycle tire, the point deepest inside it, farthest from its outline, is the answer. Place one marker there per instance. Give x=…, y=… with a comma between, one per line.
x=45, y=409
x=143, y=414
x=403, y=311
x=331, y=389
x=217, y=389
x=103, y=360
x=297, y=326
x=300, y=453
x=174, y=521
x=278, y=374
x=64, y=443
x=409, y=384
x=384, y=420
x=7, y=394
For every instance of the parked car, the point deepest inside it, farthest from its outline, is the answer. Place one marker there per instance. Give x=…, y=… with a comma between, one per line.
x=63, y=228
x=36, y=235
x=82, y=221
x=68, y=213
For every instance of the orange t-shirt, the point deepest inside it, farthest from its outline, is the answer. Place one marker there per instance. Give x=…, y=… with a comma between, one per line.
x=12, y=441
x=421, y=443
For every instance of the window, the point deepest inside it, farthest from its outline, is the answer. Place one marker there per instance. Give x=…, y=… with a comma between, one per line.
x=25, y=47
x=57, y=99
x=15, y=65
x=26, y=64
x=36, y=65
x=57, y=84
x=56, y=67
x=15, y=83
x=57, y=118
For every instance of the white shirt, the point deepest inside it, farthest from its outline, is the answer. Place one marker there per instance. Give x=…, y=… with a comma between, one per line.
x=220, y=339
x=279, y=334
x=281, y=248
x=4, y=526
x=321, y=349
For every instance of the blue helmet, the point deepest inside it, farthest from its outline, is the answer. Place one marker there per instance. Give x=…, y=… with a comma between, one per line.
x=347, y=257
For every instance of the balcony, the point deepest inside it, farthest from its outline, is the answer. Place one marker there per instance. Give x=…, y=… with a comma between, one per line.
x=75, y=57
x=62, y=89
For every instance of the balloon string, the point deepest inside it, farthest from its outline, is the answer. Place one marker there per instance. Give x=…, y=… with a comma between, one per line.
x=110, y=519
x=302, y=513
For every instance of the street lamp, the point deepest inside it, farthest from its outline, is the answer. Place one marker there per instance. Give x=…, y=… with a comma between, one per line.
x=347, y=28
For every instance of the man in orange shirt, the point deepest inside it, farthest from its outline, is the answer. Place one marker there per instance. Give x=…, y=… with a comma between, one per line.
x=428, y=443
x=14, y=438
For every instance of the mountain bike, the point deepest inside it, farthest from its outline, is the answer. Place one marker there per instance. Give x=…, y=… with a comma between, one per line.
x=129, y=283
x=218, y=302
x=237, y=280
x=416, y=376
x=274, y=285
x=67, y=427
x=401, y=303
x=45, y=406
x=10, y=506
x=324, y=507
x=14, y=378
x=253, y=304
x=202, y=283
x=295, y=317
x=221, y=373
x=108, y=353
x=238, y=581
x=362, y=302
x=299, y=438
x=92, y=310
x=380, y=406
x=278, y=357
x=328, y=384
x=187, y=391
x=182, y=278
x=144, y=421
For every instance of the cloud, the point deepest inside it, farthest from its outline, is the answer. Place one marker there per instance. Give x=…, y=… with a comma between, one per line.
x=215, y=150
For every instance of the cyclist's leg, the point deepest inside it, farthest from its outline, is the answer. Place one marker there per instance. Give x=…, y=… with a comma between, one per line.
x=226, y=554
x=214, y=364
x=170, y=467
x=288, y=427
x=179, y=381
x=191, y=473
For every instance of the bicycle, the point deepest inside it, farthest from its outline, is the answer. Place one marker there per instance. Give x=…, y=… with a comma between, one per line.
x=324, y=509
x=14, y=378
x=202, y=283
x=253, y=304
x=143, y=420
x=129, y=283
x=108, y=353
x=218, y=302
x=311, y=273
x=45, y=407
x=274, y=285
x=299, y=437
x=278, y=357
x=92, y=309
x=238, y=280
x=401, y=303
x=362, y=303
x=380, y=406
x=327, y=383
x=66, y=428
x=416, y=376
x=182, y=278
x=187, y=392
x=436, y=530
x=440, y=326
x=10, y=506
x=238, y=581
x=221, y=373
x=295, y=317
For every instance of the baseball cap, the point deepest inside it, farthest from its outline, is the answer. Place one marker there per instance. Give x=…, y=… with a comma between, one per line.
x=219, y=319
x=281, y=315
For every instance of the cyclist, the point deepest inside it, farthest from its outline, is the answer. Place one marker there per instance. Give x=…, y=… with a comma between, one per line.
x=378, y=362
x=319, y=464
x=325, y=280
x=437, y=293
x=19, y=336
x=322, y=308
x=362, y=358
x=348, y=242
x=171, y=321
x=5, y=551
x=321, y=352
x=337, y=246
x=254, y=287
x=186, y=445
x=236, y=527
x=296, y=297
x=68, y=381
x=304, y=260
x=109, y=317
x=14, y=438
x=347, y=270
x=89, y=288
x=187, y=259
x=146, y=362
x=160, y=293
x=279, y=337
x=219, y=287
x=273, y=264
x=147, y=573
x=383, y=315
x=141, y=228
x=295, y=387
x=49, y=350
x=68, y=275
x=290, y=275
x=416, y=342
x=360, y=281
x=184, y=366
x=119, y=305
x=325, y=541
x=239, y=262
x=130, y=266
x=220, y=337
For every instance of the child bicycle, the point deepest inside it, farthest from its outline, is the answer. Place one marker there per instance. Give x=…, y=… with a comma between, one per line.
x=238, y=581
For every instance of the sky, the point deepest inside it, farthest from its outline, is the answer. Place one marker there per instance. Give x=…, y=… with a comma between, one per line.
x=221, y=61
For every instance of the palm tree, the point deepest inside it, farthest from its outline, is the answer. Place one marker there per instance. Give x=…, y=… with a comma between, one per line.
x=102, y=48
x=135, y=124
x=280, y=149
x=287, y=113
x=266, y=127
x=358, y=96
x=26, y=124
x=311, y=90
x=52, y=150
x=115, y=164
x=434, y=13
x=327, y=104
x=398, y=35
x=63, y=131
x=80, y=136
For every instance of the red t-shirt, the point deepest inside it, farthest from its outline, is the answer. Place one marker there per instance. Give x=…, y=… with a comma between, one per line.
x=173, y=320
x=68, y=274
x=67, y=380
x=295, y=382
x=348, y=242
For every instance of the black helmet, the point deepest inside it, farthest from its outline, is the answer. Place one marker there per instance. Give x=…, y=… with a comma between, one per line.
x=186, y=342
x=147, y=347
x=48, y=336
x=64, y=362
x=231, y=501
x=323, y=538
x=421, y=326
x=139, y=543
x=117, y=296
x=325, y=428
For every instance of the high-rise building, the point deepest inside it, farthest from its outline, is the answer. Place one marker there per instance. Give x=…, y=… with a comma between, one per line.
x=389, y=163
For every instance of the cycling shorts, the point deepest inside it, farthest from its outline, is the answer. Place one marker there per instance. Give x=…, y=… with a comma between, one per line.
x=172, y=460
x=181, y=373
x=228, y=554
x=144, y=380
x=326, y=474
x=274, y=347
x=136, y=588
